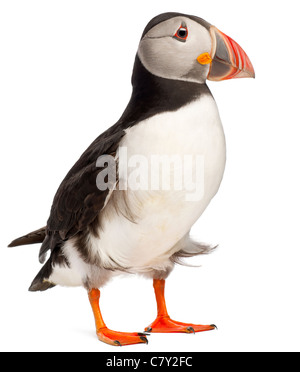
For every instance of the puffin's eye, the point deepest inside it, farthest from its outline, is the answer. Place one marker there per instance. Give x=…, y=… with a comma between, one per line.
x=181, y=33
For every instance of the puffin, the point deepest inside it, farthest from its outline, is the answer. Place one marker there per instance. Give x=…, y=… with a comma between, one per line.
x=105, y=220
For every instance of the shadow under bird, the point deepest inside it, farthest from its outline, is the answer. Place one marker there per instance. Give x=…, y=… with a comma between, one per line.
x=94, y=234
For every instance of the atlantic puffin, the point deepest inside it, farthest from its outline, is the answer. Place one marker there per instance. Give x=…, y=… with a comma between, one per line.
x=94, y=233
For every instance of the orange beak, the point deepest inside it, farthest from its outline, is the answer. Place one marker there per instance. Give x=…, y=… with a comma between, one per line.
x=228, y=59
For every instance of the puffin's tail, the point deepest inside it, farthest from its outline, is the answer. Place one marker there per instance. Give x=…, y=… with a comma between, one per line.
x=34, y=237
x=40, y=282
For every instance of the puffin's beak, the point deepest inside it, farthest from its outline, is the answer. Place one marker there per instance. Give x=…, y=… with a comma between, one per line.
x=228, y=59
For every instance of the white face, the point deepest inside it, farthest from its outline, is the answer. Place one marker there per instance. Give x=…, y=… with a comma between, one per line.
x=171, y=57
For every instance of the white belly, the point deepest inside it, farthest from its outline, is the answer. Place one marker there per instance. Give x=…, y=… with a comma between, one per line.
x=163, y=217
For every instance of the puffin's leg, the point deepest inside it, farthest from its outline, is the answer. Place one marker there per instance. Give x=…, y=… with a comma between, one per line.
x=106, y=335
x=163, y=323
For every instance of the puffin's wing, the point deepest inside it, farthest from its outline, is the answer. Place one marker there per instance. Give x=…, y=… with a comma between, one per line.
x=78, y=200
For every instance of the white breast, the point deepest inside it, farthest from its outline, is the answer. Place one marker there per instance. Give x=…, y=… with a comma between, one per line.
x=163, y=217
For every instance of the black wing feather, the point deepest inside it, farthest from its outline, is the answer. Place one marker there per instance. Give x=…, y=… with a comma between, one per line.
x=78, y=201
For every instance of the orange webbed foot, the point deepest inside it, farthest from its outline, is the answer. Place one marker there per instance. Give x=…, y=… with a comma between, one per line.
x=164, y=324
x=121, y=338
x=107, y=335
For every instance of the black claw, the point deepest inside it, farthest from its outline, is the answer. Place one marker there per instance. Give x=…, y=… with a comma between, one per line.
x=149, y=329
x=117, y=343
x=213, y=325
x=143, y=338
x=190, y=330
x=143, y=334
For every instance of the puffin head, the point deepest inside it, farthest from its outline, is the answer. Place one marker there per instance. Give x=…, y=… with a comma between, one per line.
x=183, y=47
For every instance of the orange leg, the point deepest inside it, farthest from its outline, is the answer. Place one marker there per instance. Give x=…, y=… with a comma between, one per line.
x=163, y=323
x=106, y=335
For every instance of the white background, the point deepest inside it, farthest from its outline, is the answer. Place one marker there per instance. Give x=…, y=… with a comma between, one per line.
x=65, y=70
